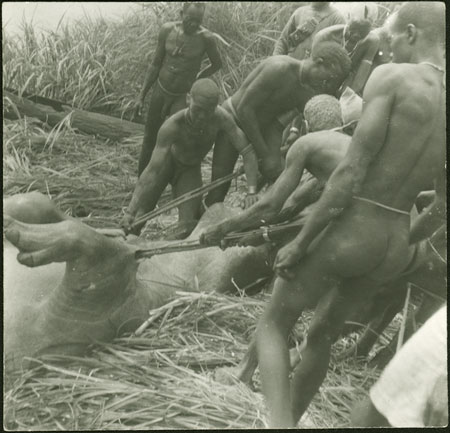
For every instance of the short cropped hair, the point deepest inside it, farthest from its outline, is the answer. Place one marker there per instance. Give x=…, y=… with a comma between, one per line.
x=206, y=88
x=426, y=16
x=362, y=26
x=187, y=5
x=333, y=54
x=323, y=112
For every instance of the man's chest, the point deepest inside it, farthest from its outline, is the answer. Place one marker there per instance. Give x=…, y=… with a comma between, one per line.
x=184, y=46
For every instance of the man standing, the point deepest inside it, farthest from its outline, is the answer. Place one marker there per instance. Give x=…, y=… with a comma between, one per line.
x=296, y=37
x=277, y=85
x=357, y=236
x=183, y=141
x=175, y=66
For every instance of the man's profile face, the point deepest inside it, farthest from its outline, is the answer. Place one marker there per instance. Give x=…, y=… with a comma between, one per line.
x=201, y=110
x=192, y=19
x=328, y=78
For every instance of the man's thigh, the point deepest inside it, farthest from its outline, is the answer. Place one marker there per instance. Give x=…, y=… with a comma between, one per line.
x=187, y=180
x=179, y=103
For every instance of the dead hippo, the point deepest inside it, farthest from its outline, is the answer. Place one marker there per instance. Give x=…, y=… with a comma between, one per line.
x=67, y=285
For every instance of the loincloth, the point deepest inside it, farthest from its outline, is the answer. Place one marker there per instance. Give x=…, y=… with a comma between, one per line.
x=403, y=391
x=169, y=99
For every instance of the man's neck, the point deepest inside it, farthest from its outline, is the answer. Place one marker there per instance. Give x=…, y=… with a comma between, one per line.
x=431, y=54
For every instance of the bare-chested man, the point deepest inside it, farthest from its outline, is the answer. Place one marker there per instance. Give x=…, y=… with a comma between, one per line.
x=183, y=141
x=357, y=236
x=363, y=46
x=277, y=85
x=318, y=152
x=175, y=66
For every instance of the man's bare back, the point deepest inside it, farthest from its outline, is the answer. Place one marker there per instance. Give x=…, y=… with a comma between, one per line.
x=357, y=236
x=283, y=89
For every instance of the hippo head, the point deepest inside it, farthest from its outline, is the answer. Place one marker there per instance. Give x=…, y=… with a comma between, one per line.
x=67, y=285
x=62, y=307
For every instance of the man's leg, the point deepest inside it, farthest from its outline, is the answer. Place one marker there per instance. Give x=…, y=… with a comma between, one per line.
x=224, y=160
x=365, y=414
x=157, y=188
x=273, y=136
x=329, y=318
x=153, y=123
x=178, y=104
x=286, y=305
x=189, y=211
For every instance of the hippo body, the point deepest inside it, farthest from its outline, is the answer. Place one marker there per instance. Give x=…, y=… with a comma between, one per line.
x=103, y=291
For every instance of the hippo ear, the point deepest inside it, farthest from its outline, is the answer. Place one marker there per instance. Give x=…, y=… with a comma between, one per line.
x=366, y=11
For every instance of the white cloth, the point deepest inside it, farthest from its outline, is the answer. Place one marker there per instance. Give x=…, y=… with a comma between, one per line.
x=351, y=106
x=404, y=389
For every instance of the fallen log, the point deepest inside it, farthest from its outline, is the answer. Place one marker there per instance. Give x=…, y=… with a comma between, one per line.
x=85, y=121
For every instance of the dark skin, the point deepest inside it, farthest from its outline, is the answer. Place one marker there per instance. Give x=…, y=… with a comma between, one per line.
x=185, y=138
x=362, y=50
x=345, y=245
x=319, y=153
x=179, y=53
x=176, y=64
x=279, y=84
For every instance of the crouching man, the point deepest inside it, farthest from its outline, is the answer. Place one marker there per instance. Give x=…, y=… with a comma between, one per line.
x=183, y=141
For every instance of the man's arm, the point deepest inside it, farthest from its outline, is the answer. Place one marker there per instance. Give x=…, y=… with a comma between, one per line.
x=213, y=55
x=366, y=142
x=155, y=65
x=304, y=195
x=254, y=96
x=432, y=217
x=265, y=210
x=239, y=141
x=365, y=60
x=282, y=44
x=143, y=192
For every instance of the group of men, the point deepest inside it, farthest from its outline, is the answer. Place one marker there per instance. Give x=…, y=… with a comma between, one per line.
x=357, y=234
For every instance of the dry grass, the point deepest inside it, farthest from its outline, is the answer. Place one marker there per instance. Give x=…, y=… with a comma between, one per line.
x=165, y=378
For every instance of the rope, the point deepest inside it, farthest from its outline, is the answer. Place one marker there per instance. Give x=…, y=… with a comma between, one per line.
x=185, y=197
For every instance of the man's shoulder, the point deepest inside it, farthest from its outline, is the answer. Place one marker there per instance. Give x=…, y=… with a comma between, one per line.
x=166, y=28
x=278, y=62
x=205, y=33
x=389, y=73
x=174, y=122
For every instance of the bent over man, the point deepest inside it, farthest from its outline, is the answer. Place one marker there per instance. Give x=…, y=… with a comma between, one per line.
x=276, y=86
x=183, y=141
x=175, y=66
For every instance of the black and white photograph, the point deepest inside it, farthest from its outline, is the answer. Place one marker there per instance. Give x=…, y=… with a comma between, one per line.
x=224, y=215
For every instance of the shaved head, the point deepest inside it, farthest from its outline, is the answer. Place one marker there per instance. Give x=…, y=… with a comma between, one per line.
x=429, y=17
x=205, y=89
